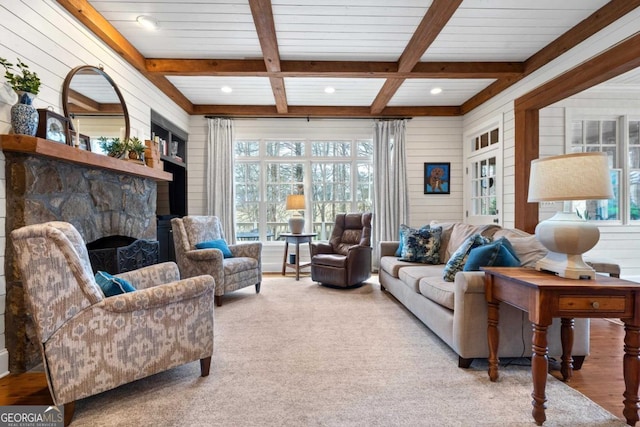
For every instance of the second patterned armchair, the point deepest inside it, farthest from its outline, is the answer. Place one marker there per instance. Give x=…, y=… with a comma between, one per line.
x=243, y=268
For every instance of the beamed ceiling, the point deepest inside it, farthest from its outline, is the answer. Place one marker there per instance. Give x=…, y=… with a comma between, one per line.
x=382, y=58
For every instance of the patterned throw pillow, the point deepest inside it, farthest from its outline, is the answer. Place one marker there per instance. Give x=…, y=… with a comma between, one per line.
x=459, y=257
x=404, y=229
x=498, y=253
x=422, y=245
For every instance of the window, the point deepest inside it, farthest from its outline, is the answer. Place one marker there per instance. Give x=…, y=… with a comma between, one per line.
x=615, y=136
x=336, y=177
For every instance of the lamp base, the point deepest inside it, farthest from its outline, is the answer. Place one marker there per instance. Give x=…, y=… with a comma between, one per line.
x=567, y=266
x=567, y=237
x=296, y=224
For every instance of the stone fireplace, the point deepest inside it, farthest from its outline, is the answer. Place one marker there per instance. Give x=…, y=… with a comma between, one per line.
x=97, y=200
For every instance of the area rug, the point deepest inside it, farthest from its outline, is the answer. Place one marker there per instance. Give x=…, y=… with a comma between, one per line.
x=301, y=354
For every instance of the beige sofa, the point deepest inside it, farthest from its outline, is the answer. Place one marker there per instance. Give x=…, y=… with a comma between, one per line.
x=457, y=311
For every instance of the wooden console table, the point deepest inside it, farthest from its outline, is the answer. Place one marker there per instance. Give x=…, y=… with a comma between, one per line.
x=297, y=239
x=545, y=296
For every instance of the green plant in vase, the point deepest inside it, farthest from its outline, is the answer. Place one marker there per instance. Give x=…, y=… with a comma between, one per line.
x=23, y=79
x=136, y=148
x=114, y=147
x=24, y=117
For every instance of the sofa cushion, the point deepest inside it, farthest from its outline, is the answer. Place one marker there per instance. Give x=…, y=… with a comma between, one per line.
x=411, y=276
x=112, y=285
x=437, y=290
x=392, y=265
x=421, y=245
x=527, y=247
x=459, y=257
x=498, y=253
x=455, y=233
x=330, y=260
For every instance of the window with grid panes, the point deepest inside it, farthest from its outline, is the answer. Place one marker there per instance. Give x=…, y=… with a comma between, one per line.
x=336, y=177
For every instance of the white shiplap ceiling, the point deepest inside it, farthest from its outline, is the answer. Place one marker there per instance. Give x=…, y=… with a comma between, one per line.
x=355, y=31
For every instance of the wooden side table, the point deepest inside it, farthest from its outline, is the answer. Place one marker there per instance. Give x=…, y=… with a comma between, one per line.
x=545, y=296
x=297, y=239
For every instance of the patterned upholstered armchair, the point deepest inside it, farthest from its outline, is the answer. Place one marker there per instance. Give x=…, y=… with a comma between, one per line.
x=243, y=269
x=90, y=343
x=346, y=259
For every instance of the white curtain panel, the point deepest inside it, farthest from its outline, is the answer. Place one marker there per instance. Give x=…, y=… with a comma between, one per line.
x=220, y=191
x=390, y=195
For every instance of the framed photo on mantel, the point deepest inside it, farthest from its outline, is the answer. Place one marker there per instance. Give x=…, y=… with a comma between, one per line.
x=437, y=178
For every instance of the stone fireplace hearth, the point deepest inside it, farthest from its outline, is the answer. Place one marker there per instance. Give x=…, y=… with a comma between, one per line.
x=98, y=201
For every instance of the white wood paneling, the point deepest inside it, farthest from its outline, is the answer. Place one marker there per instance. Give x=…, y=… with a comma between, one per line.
x=414, y=92
x=434, y=139
x=52, y=42
x=208, y=90
x=348, y=92
x=551, y=142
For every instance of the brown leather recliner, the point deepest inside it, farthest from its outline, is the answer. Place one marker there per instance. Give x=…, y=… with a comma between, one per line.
x=346, y=260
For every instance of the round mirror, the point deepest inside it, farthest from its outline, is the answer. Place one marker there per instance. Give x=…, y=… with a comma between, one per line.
x=95, y=106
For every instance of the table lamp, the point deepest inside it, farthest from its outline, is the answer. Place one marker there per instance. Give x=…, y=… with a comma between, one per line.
x=295, y=203
x=579, y=176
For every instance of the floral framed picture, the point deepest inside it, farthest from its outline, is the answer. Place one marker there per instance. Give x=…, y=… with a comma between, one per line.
x=437, y=178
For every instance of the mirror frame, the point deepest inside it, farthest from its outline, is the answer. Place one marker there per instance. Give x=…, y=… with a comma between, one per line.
x=66, y=87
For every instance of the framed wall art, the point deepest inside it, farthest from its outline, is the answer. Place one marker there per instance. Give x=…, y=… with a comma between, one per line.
x=437, y=178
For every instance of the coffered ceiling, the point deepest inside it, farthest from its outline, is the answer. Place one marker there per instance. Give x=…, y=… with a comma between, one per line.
x=381, y=57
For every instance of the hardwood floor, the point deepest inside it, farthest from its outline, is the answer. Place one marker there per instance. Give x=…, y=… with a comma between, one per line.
x=600, y=378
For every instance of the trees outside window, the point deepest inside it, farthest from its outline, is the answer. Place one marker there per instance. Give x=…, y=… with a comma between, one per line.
x=335, y=176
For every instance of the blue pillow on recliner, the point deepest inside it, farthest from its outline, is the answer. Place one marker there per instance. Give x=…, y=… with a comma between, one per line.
x=112, y=285
x=216, y=244
x=498, y=253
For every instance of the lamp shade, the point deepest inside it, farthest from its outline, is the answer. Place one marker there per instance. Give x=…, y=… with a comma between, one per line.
x=295, y=202
x=578, y=176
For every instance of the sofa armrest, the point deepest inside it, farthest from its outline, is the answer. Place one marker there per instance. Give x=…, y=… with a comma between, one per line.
x=159, y=296
x=469, y=282
x=152, y=275
x=388, y=248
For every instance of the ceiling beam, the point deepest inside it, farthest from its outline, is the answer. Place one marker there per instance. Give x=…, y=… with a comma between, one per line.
x=595, y=22
x=432, y=23
x=343, y=69
x=262, y=13
x=322, y=111
x=94, y=21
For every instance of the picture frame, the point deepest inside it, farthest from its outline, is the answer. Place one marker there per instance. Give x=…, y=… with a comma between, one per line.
x=53, y=126
x=437, y=178
x=83, y=142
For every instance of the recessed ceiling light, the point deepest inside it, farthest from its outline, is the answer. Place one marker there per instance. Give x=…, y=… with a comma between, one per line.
x=329, y=89
x=436, y=90
x=226, y=89
x=147, y=22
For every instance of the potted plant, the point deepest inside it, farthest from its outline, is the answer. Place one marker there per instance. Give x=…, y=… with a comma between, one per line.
x=24, y=117
x=23, y=79
x=114, y=147
x=136, y=148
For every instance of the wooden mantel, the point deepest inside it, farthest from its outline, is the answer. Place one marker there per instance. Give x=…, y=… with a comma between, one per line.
x=66, y=153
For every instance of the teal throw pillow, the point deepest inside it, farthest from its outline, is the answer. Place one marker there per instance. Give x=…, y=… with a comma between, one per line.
x=498, y=253
x=404, y=229
x=112, y=285
x=216, y=244
x=459, y=257
x=422, y=245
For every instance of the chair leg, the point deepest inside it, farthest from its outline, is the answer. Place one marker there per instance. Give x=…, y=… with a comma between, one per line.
x=257, y=288
x=218, y=300
x=69, y=410
x=464, y=363
x=205, y=365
